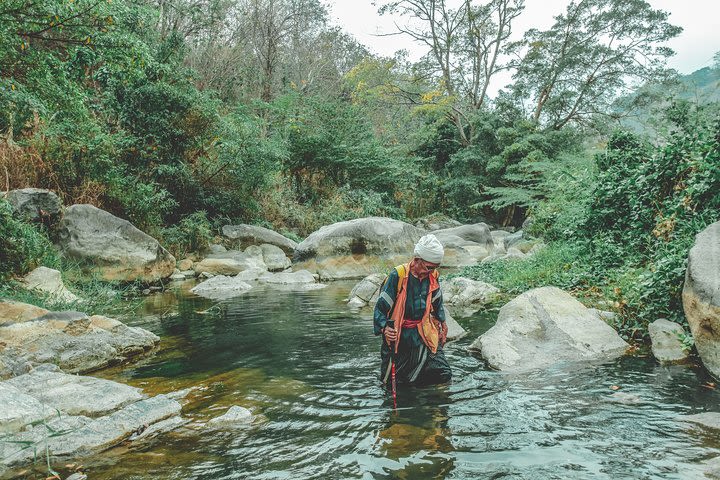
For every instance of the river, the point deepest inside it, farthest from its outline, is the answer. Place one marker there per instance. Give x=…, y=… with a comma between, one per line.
x=308, y=369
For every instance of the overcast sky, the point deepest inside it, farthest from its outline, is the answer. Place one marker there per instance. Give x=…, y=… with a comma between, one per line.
x=694, y=47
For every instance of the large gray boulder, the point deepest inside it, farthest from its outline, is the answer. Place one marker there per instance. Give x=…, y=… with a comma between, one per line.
x=73, y=341
x=72, y=416
x=49, y=281
x=465, y=244
x=357, y=248
x=544, y=326
x=35, y=203
x=243, y=235
x=478, y=233
x=112, y=246
x=665, y=341
x=701, y=296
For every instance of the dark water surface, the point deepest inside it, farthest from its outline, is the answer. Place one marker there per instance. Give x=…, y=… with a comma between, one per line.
x=308, y=369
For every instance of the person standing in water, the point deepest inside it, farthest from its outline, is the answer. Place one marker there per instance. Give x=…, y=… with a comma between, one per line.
x=409, y=315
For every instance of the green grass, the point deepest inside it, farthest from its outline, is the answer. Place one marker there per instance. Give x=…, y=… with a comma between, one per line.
x=559, y=264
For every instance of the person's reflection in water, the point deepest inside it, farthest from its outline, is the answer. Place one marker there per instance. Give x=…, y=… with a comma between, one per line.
x=417, y=435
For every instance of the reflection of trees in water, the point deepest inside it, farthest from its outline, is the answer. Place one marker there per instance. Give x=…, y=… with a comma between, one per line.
x=418, y=430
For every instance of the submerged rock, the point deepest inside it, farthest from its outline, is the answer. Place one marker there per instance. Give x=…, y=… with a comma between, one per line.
x=49, y=281
x=221, y=287
x=112, y=246
x=119, y=411
x=74, y=341
x=701, y=296
x=544, y=326
x=234, y=415
x=667, y=347
x=706, y=419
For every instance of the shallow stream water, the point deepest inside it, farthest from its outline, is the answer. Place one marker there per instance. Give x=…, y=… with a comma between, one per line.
x=308, y=369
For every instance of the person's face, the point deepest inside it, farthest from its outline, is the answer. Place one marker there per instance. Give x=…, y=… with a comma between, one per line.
x=424, y=268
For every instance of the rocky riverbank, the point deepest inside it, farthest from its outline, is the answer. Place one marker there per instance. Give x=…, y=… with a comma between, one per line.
x=39, y=348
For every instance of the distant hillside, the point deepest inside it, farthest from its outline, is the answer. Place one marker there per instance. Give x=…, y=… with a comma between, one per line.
x=643, y=108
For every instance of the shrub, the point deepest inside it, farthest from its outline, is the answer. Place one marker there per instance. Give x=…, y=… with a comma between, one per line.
x=23, y=246
x=192, y=234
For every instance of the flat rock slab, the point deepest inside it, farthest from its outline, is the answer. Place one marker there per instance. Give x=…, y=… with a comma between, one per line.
x=76, y=436
x=221, y=287
x=74, y=394
x=17, y=312
x=73, y=341
x=545, y=326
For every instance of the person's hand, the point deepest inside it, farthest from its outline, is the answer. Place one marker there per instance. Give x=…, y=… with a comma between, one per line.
x=443, y=333
x=390, y=335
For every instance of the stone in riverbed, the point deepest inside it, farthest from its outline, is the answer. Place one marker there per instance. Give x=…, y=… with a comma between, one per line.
x=65, y=435
x=234, y=415
x=544, y=326
x=112, y=246
x=367, y=289
x=665, y=341
x=701, y=296
x=300, y=279
x=221, y=287
x=17, y=312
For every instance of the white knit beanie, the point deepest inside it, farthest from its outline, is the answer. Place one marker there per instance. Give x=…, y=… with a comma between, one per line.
x=430, y=249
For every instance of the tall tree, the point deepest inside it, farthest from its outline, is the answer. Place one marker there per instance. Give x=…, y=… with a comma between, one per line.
x=593, y=52
x=465, y=48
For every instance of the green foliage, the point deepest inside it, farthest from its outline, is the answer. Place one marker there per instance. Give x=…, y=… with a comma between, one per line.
x=560, y=264
x=192, y=234
x=23, y=246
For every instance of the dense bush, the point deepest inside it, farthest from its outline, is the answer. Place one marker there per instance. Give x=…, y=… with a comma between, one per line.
x=23, y=246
